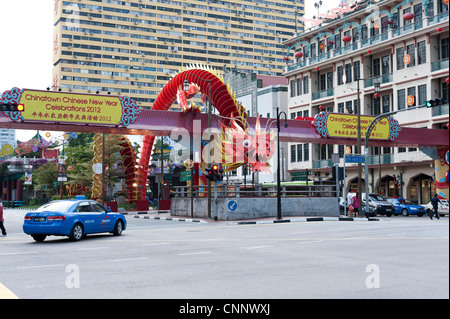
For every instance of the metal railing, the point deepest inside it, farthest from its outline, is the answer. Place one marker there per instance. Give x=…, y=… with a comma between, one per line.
x=256, y=191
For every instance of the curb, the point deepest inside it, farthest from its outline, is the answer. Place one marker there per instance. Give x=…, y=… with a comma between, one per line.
x=309, y=219
x=187, y=220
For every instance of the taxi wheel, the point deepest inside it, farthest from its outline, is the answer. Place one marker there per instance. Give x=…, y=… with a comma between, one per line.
x=39, y=238
x=77, y=232
x=405, y=212
x=118, y=228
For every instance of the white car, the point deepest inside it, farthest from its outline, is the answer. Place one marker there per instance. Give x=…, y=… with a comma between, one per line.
x=442, y=208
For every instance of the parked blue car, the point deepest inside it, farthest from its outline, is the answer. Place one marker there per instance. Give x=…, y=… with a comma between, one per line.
x=73, y=218
x=406, y=208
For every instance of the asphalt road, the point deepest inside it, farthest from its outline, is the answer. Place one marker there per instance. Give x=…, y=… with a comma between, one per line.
x=397, y=257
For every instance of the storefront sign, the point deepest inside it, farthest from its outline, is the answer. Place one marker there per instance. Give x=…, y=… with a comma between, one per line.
x=338, y=125
x=71, y=107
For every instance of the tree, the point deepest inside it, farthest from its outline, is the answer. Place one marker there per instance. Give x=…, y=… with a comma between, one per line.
x=46, y=175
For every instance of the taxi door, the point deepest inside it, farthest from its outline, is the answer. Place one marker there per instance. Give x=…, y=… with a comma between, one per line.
x=103, y=221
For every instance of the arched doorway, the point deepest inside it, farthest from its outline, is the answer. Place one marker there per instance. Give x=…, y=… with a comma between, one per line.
x=388, y=187
x=420, y=189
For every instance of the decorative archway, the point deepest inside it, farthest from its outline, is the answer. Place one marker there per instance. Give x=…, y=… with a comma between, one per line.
x=209, y=84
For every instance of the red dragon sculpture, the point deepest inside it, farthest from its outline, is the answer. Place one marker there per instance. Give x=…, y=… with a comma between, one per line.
x=239, y=145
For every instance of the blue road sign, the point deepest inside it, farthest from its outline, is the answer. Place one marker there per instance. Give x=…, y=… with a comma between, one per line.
x=232, y=206
x=355, y=159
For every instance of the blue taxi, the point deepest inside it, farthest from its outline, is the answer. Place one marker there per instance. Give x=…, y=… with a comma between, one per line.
x=73, y=218
x=405, y=207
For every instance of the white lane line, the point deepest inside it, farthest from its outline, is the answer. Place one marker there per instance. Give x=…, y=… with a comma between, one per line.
x=310, y=242
x=197, y=253
x=92, y=248
x=20, y=253
x=258, y=247
x=156, y=244
x=40, y=266
x=127, y=259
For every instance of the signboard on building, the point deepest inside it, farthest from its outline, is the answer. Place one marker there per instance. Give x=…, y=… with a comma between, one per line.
x=346, y=125
x=71, y=107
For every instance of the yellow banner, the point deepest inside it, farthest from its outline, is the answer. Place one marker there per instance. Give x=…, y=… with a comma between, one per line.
x=71, y=107
x=346, y=125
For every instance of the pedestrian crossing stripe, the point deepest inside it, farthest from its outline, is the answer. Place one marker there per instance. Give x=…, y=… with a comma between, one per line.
x=5, y=293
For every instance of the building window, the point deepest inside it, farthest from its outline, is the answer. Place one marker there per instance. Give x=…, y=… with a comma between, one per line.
x=306, y=152
x=299, y=152
x=299, y=86
x=444, y=49
x=401, y=99
x=292, y=88
x=421, y=53
x=412, y=91
x=411, y=51
x=306, y=85
x=356, y=70
x=376, y=106
x=341, y=108
x=400, y=57
x=422, y=94
x=340, y=73
x=386, y=103
x=348, y=72
x=293, y=154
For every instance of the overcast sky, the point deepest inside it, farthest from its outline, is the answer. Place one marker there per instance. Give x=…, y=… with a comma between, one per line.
x=26, y=31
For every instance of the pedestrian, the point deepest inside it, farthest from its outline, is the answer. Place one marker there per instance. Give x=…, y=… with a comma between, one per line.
x=349, y=202
x=2, y=227
x=435, y=202
x=355, y=204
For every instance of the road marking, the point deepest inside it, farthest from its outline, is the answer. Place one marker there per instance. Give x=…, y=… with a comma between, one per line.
x=198, y=253
x=5, y=293
x=41, y=266
x=93, y=248
x=156, y=244
x=127, y=259
x=21, y=253
x=258, y=247
x=310, y=242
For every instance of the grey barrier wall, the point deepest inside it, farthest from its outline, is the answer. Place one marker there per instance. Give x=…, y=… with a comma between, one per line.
x=249, y=208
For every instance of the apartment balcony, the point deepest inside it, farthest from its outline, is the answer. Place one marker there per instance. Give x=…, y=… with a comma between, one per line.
x=322, y=164
x=391, y=34
x=323, y=94
x=439, y=110
x=439, y=65
x=382, y=79
x=381, y=159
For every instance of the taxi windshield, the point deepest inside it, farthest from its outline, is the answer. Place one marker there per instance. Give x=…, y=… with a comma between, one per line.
x=56, y=206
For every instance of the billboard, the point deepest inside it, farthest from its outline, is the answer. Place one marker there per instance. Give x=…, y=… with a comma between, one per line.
x=346, y=125
x=71, y=107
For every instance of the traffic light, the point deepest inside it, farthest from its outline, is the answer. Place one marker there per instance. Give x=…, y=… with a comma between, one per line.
x=210, y=174
x=215, y=174
x=12, y=107
x=435, y=102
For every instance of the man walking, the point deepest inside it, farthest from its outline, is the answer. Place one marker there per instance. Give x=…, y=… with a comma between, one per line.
x=435, y=202
x=2, y=228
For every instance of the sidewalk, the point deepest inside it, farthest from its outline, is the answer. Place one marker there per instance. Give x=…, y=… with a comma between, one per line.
x=165, y=215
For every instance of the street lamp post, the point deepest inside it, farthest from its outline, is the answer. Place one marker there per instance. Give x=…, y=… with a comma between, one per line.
x=278, y=157
x=358, y=142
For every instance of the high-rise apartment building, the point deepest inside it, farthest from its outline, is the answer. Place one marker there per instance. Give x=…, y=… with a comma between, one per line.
x=134, y=47
x=401, y=45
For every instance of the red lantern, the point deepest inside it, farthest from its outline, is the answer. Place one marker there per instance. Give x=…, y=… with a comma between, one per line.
x=439, y=29
x=446, y=80
x=408, y=16
x=369, y=51
x=321, y=107
x=347, y=38
x=317, y=68
x=376, y=95
x=298, y=54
